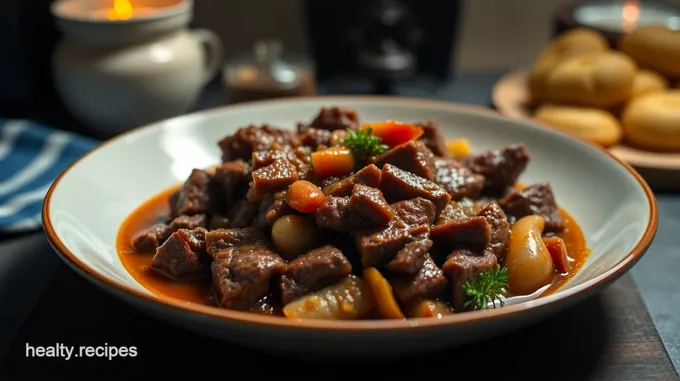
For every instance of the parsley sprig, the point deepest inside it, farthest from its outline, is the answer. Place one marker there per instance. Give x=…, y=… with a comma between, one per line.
x=363, y=144
x=487, y=287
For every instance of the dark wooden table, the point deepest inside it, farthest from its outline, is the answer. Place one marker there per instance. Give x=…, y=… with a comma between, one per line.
x=607, y=337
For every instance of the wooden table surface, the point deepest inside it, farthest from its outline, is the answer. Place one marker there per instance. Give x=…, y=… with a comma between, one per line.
x=607, y=337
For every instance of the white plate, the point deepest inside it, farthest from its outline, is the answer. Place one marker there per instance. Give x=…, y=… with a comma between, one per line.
x=88, y=202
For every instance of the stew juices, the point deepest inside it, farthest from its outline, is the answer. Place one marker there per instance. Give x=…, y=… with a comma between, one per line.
x=339, y=220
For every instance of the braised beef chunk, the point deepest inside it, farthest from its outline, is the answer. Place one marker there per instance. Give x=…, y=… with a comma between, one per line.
x=428, y=282
x=473, y=233
x=274, y=177
x=536, y=199
x=233, y=178
x=271, y=207
x=459, y=211
x=459, y=181
x=370, y=204
x=369, y=176
x=416, y=211
x=300, y=157
x=312, y=271
x=433, y=138
x=335, y=118
x=500, y=167
x=241, y=275
x=412, y=156
x=500, y=229
x=242, y=214
x=150, y=239
x=460, y=266
x=378, y=244
x=335, y=214
x=200, y=194
x=247, y=140
x=397, y=184
x=220, y=239
x=314, y=137
x=337, y=138
x=410, y=259
x=182, y=255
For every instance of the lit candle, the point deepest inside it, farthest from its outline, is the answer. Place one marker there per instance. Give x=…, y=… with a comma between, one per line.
x=624, y=16
x=123, y=10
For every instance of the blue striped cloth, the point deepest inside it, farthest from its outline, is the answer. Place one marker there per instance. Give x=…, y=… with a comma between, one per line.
x=31, y=157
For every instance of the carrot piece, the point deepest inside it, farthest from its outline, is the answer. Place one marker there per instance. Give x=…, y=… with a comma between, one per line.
x=304, y=196
x=558, y=252
x=335, y=161
x=382, y=293
x=458, y=147
x=393, y=133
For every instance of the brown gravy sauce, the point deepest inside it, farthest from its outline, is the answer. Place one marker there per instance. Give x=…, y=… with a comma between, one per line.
x=199, y=291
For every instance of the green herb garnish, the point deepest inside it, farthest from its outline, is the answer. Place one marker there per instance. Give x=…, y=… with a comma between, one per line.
x=486, y=287
x=363, y=144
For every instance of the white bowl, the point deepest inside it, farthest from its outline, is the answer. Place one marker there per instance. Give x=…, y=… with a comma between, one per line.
x=86, y=205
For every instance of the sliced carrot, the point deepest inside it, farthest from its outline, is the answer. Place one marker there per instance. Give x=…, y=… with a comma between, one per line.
x=382, y=293
x=393, y=133
x=334, y=161
x=304, y=196
x=558, y=252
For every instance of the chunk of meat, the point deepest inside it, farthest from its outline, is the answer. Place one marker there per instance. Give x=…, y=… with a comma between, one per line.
x=370, y=204
x=462, y=265
x=220, y=239
x=414, y=212
x=300, y=157
x=459, y=211
x=242, y=214
x=200, y=194
x=314, y=137
x=410, y=259
x=433, y=138
x=241, y=275
x=459, y=181
x=182, y=255
x=336, y=118
x=274, y=177
x=378, y=244
x=473, y=233
x=535, y=199
x=500, y=167
x=232, y=177
x=337, y=138
x=150, y=239
x=369, y=176
x=272, y=206
x=247, y=140
x=397, y=184
x=500, y=229
x=412, y=156
x=428, y=282
x=312, y=271
x=335, y=214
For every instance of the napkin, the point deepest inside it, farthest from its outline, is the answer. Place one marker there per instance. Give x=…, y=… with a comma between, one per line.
x=32, y=155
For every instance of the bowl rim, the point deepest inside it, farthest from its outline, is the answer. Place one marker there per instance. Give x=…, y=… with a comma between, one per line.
x=488, y=316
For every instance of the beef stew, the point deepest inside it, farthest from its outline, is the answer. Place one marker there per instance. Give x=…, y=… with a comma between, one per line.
x=344, y=220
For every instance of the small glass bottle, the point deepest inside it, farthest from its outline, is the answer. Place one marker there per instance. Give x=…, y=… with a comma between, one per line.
x=267, y=75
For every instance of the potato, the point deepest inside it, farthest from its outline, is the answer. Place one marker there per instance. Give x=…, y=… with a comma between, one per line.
x=572, y=43
x=601, y=80
x=293, y=234
x=429, y=309
x=528, y=260
x=647, y=81
x=348, y=299
x=655, y=47
x=652, y=121
x=592, y=124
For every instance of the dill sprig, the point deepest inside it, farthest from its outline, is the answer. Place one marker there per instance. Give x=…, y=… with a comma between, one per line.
x=487, y=287
x=363, y=144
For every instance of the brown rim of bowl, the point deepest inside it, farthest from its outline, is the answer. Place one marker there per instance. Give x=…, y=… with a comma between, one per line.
x=365, y=325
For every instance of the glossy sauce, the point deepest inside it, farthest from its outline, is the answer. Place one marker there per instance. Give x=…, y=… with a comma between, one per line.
x=156, y=208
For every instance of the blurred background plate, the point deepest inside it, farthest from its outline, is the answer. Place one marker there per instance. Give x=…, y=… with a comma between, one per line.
x=511, y=98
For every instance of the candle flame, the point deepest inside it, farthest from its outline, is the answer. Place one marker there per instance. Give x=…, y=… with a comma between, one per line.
x=630, y=15
x=121, y=10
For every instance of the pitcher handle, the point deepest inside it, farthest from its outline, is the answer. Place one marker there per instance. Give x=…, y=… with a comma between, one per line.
x=214, y=52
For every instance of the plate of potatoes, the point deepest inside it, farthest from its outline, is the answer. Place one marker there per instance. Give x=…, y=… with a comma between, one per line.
x=625, y=99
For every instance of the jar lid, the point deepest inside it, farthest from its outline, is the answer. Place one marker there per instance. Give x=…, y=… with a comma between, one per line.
x=265, y=68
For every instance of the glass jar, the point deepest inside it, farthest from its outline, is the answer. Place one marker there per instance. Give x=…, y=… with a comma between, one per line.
x=267, y=74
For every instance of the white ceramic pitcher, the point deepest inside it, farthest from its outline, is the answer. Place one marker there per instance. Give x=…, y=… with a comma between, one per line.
x=120, y=74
